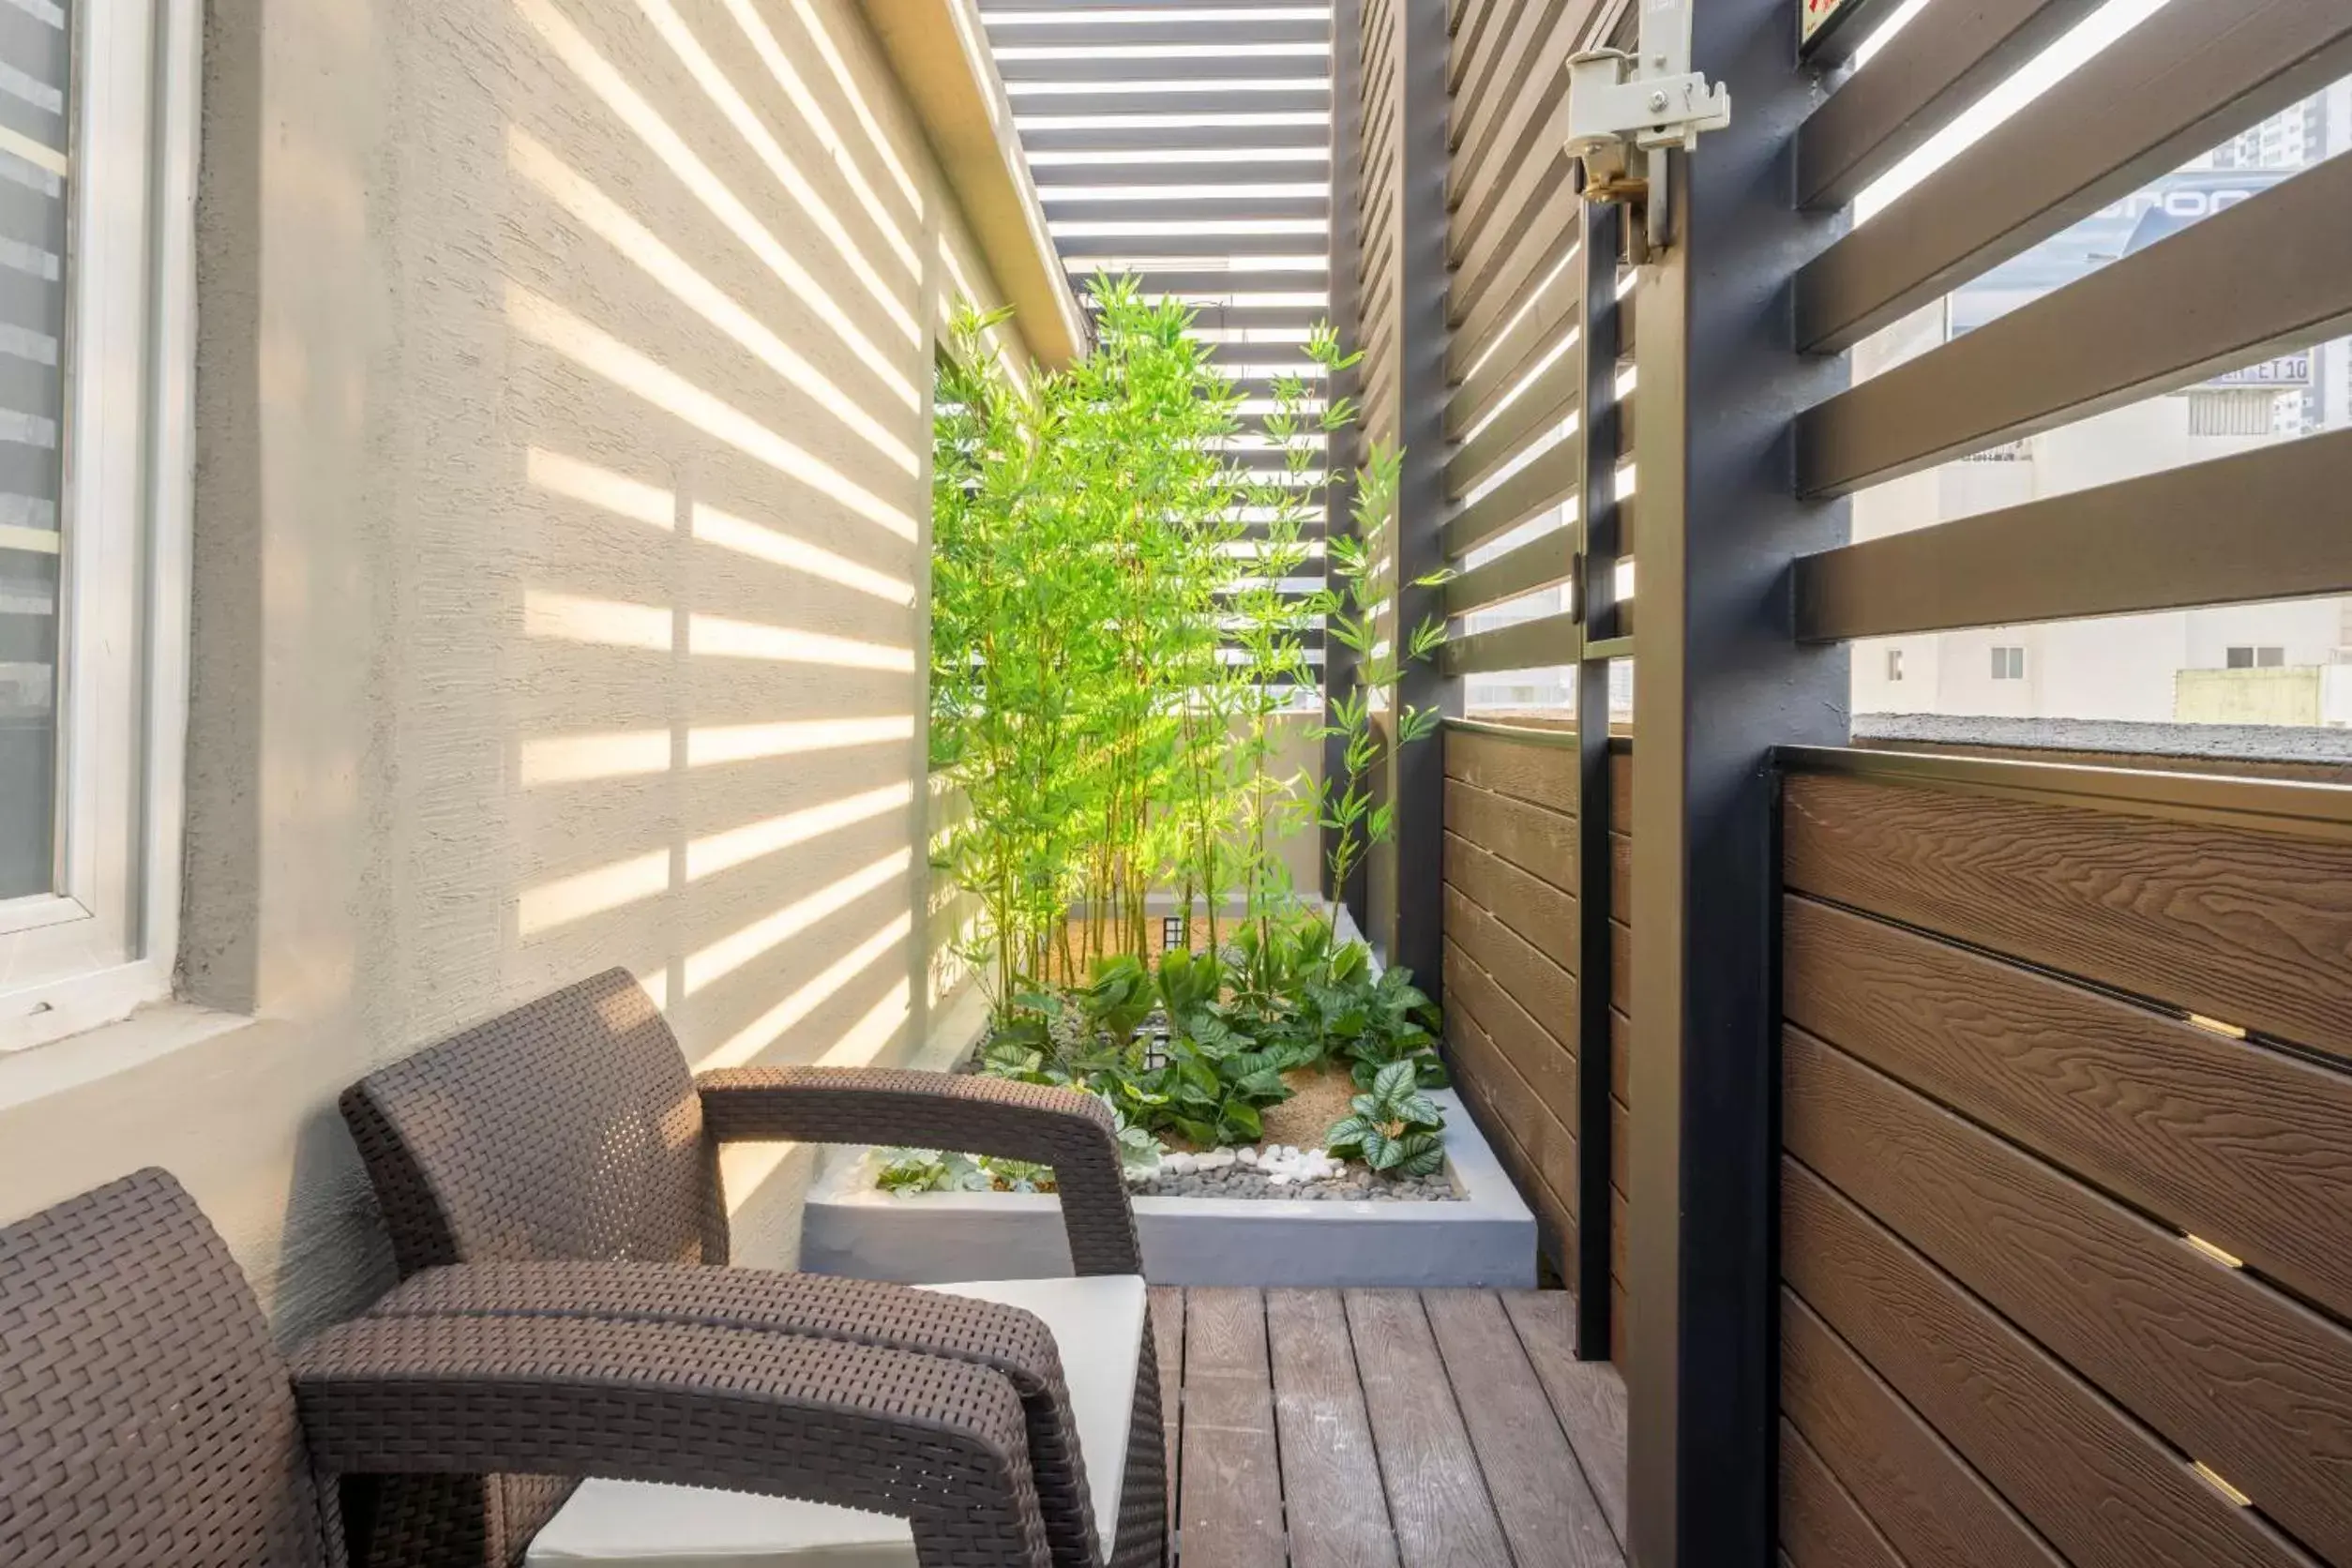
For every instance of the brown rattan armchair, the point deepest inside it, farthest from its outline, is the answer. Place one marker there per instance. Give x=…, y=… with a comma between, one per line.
x=147, y=1420
x=570, y=1129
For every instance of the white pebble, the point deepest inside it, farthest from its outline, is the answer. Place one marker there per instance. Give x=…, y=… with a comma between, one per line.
x=1247, y=1156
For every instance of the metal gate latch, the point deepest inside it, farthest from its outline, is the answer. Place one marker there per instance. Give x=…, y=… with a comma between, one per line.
x=1622, y=105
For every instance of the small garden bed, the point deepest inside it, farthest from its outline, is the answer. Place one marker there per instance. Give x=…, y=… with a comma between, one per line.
x=1211, y=1216
x=1486, y=1238
x=1287, y=1058
x=1124, y=616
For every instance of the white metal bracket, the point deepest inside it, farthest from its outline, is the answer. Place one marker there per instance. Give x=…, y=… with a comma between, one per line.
x=1627, y=107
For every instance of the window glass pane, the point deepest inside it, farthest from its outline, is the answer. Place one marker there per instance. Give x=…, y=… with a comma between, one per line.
x=33, y=143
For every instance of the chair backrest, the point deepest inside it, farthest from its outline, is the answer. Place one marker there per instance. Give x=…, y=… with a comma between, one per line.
x=566, y=1129
x=146, y=1417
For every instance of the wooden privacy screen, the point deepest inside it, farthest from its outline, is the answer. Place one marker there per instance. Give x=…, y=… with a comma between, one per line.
x=1379, y=126
x=2067, y=1170
x=1511, y=943
x=1516, y=309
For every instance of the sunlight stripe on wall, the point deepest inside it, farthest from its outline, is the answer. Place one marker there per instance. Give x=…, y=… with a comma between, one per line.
x=731, y=953
x=746, y=1043
x=545, y=322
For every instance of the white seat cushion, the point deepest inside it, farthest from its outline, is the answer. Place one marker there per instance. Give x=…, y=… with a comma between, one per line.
x=1097, y=1325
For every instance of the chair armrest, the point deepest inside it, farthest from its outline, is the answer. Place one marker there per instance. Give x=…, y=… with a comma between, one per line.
x=1070, y=1131
x=939, y=1443
x=1011, y=1343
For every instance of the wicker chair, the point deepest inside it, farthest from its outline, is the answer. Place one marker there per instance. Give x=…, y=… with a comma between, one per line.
x=570, y=1129
x=147, y=1420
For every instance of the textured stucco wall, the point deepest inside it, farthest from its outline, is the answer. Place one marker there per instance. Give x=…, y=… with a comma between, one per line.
x=562, y=389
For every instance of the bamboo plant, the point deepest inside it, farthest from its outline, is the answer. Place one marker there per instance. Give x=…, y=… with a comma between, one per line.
x=1119, y=640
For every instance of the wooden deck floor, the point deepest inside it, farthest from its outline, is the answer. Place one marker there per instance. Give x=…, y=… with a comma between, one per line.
x=1387, y=1429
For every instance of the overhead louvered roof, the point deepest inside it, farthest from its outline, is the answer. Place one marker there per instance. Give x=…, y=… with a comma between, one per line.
x=1189, y=143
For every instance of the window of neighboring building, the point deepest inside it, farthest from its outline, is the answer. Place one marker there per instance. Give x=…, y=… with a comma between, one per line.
x=2234, y=412
x=96, y=184
x=2257, y=659
x=1894, y=664
x=2008, y=664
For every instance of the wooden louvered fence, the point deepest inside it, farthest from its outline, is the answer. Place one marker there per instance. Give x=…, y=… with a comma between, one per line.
x=1493, y=340
x=1958, y=1157
x=1516, y=895
x=2066, y=1184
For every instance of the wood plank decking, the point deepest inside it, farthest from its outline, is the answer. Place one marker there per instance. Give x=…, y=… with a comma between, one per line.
x=1387, y=1429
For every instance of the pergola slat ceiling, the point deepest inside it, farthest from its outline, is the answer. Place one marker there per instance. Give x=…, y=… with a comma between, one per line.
x=1189, y=143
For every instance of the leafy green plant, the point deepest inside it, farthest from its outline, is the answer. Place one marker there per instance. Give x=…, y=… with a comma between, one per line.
x=1391, y=1126
x=1204, y=1086
x=932, y=1170
x=1370, y=1022
x=929, y=1170
x=1140, y=1150
x=1273, y=958
x=1020, y=1175
x=1319, y=999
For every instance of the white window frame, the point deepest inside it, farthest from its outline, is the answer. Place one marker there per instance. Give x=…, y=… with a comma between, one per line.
x=104, y=941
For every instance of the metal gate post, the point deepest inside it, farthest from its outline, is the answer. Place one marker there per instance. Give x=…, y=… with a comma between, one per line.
x=1720, y=683
x=1598, y=545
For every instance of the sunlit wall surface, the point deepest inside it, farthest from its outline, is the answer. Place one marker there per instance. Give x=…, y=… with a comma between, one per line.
x=560, y=545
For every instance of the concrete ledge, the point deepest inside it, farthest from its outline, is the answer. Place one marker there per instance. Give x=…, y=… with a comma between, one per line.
x=1488, y=1239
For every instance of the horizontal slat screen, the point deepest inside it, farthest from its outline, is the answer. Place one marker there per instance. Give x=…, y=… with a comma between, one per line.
x=2171, y=87
x=1379, y=170
x=2271, y=274
x=1194, y=150
x=2138, y=545
x=1512, y=954
x=1943, y=63
x=2067, y=1183
x=1515, y=363
x=1531, y=643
